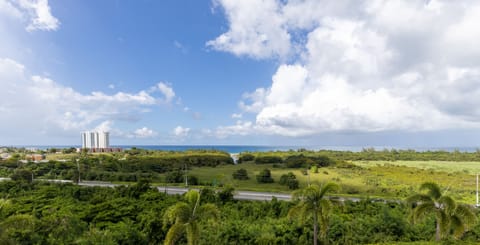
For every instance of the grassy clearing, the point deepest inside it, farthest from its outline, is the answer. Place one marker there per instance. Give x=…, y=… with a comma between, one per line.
x=395, y=180
x=450, y=167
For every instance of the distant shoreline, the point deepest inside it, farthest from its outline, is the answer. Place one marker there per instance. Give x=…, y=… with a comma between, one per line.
x=259, y=148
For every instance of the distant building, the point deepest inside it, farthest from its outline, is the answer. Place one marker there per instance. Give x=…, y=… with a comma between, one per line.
x=35, y=157
x=95, y=140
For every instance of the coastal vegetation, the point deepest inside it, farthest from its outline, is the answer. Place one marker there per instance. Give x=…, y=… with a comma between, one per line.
x=47, y=213
x=388, y=207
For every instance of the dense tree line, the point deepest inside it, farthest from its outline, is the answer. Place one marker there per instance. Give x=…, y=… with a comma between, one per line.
x=44, y=213
x=325, y=157
x=132, y=165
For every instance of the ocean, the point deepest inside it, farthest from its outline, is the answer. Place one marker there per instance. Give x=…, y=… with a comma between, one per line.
x=262, y=148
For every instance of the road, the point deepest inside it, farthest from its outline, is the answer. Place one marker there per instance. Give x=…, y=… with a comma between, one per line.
x=239, y=195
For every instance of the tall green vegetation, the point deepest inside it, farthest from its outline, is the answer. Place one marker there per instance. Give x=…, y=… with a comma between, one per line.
x=185, y=217
x=289, y=180
x=265, y=176
x=240, y=174
x=47, y=213
x=313, y=203
x=450, y=217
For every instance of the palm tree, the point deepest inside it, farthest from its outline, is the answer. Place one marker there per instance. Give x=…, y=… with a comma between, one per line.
x=313, y=203
x=449, y=216
x=185, y=217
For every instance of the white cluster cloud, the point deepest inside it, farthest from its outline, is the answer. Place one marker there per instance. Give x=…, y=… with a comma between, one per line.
x=181, y=132
x=166, y=90
x=144, y=133
x=363, y=66
x=255, y=29
x=36, y=13
x=41, y=104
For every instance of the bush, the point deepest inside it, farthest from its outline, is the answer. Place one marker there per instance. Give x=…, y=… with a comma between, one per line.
x=247, y=157
x=22, y=175
x=240, y=174
x=297, y=161
x=192, y=180
x=323, y=161
x=289, y=180
x=174, y=177
x=268, y=159
x=265, y=176
x=226, y=194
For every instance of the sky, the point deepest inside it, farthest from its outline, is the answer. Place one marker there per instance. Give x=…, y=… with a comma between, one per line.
x=253, y=72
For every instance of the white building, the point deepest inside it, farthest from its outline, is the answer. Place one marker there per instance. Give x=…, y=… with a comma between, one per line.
x=95, y=140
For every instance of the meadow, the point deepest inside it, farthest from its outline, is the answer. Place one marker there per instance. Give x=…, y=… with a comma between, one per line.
x=384, y=179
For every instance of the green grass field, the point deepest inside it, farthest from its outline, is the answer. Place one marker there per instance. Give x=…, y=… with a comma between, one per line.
x=450, y=167
x=395, y=180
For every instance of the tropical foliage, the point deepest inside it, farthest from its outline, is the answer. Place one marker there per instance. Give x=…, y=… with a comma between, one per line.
x=185, y=217
x=450, y=217
x=313, y=203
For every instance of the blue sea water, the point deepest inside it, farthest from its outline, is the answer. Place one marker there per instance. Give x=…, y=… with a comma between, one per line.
x=262, y=148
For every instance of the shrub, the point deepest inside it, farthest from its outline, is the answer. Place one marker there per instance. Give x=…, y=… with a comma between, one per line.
x=289, y=180
x=297, y=161
x=226, y=194
x=268, y=159
x=240, y=174
x=22, y=175
x=323, y=161
x=174, y=177
x=265, y=177
x=192, y=180
x=247, y=157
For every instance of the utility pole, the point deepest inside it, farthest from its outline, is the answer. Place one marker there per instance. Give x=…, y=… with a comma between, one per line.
x=478, y=205
x=308, y=175
x=186, y=176
x=78, y=166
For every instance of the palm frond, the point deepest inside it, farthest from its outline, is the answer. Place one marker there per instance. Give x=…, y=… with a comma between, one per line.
x=325, y=206
x=180, y=212
x=433, y=190
x=193, y=233
x=466, y=214
x=448, y=204
x=192, y=196
x=457, y=226
x=418, y=198
x=208, y=211
x=174, y=233
x=422, y=209
x=443, y=220
x=298, y=195
x=328, y=187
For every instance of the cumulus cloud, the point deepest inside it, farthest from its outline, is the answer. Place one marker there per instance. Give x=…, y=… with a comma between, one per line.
x=144, y=133
x=369, y=66
x=166, y=90
x=237, y=115
x=36, y=13
x=180, y=132
x=255, y=29
x=40, y=104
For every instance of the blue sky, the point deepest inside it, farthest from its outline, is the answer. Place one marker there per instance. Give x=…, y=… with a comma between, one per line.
x=297, y=72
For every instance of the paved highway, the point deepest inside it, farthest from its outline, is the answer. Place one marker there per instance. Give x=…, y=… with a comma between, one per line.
x=239, y=195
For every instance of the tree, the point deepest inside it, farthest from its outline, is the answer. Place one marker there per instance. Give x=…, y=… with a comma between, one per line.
x=289, y=180
x=240, y=174
x=265, y=176
x=449, y=216
x=185, y=217
x=22, y=175
x=312, y=202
